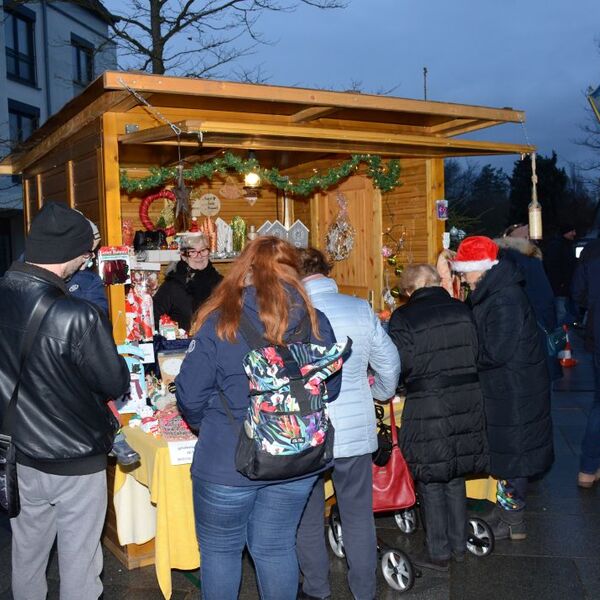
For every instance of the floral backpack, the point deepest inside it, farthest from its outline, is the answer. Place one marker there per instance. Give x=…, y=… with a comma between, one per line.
x=287, y=432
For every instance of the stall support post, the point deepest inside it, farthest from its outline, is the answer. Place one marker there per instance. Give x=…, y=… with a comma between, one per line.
x=435, y=191
x=110, y=211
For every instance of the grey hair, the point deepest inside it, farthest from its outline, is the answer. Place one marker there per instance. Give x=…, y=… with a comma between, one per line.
x=188, y=240
x=415, y=277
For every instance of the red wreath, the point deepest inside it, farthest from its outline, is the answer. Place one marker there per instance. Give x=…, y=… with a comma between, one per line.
x=145, y=205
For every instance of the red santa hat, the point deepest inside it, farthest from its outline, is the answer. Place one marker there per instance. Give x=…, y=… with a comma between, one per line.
x=476, y=253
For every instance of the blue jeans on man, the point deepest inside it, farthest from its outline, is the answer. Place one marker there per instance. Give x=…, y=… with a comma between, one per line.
x=263, y=517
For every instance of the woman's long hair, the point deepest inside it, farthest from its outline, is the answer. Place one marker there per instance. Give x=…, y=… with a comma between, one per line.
x=271, y=265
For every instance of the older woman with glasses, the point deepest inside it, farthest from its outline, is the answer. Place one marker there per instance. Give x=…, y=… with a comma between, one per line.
x=188, y=283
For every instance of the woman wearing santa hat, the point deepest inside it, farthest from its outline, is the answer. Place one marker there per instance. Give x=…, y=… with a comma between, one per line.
x=513, y=375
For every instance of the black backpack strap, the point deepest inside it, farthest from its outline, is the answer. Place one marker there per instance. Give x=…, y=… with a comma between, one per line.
x=33, y=326
x=250, y=333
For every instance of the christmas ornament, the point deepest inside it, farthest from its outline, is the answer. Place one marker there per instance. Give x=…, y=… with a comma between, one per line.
x=238, y=228
x=399, y=270
x=182, y=204
x=386, y=251
x=391, y=261
x=340, y=236
x=207, y=205
x=395, y=292
x=230, y=190
x=145, y=205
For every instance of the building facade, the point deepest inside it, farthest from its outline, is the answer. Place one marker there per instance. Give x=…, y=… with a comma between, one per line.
x=49, y=52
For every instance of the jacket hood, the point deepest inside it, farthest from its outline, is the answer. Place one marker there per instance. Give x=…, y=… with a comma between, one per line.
x=500, y=276
x=297, y=313
x=521, y=245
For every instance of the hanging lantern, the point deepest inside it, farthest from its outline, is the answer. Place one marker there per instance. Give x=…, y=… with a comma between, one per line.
x=535, y=208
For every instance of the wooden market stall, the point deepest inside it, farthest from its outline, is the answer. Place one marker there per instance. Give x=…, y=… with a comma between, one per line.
x=128, y=131
x=79, y=155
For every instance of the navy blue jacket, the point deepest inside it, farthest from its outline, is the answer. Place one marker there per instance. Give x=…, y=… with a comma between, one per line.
x=585, y=290
x=213, y=365
x=88, y=286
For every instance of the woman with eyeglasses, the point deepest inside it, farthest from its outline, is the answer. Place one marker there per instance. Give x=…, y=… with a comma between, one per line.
x=188, y=283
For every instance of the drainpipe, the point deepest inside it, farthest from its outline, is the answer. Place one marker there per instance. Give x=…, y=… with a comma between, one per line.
x=46, y=59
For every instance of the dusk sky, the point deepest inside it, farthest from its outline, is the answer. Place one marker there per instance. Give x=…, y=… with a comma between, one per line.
x=535, y=55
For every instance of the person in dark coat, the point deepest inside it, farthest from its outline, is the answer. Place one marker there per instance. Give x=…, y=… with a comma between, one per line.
x=514, y=378
x=585, y=290
x=188, y=283
x=560, y=263
x=516, y=246
x=443, y=434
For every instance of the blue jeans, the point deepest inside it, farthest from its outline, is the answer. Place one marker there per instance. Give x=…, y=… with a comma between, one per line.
x=590, y=445
x=265, y=518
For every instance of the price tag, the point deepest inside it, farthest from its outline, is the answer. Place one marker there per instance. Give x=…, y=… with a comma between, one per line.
x=182, y=453
x=148, y=350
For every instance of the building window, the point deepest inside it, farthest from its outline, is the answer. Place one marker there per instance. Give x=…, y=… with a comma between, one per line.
x=83, y=60
x=19, y=26
x=23, y=120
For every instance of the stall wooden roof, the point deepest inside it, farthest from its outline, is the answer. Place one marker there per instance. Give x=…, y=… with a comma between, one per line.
x=221, y=114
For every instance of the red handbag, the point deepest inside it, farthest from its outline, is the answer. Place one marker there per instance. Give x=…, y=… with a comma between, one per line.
x=393, y=487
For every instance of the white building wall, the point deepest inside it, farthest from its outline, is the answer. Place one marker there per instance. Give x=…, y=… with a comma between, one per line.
x=55, y=22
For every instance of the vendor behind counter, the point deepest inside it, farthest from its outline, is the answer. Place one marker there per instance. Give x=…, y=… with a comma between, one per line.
x=188, y=283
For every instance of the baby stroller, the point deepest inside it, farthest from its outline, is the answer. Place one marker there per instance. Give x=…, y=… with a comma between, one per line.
x=396, y=566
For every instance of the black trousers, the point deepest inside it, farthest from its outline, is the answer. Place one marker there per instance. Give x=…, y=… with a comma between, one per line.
x=444, y=507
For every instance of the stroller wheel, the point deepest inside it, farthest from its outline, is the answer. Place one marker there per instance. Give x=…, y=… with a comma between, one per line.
x=334, y=534
x=480, y=538
x=397, y=570
x=406, y=519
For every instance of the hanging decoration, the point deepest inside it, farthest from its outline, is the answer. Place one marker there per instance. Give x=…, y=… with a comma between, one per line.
x=385, y=176
x=535, y=208
x=145, y=205
x=182, y=204
x=207, y=205
x=340, y=237
x=230, y=190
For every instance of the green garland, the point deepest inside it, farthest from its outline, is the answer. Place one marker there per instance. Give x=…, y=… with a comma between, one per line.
x=385, y=176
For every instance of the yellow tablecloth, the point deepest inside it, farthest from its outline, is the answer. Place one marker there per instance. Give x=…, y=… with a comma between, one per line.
x=170, y=492
x=478, y=488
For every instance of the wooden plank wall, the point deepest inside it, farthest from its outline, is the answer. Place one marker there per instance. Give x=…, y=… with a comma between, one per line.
x=68, y=174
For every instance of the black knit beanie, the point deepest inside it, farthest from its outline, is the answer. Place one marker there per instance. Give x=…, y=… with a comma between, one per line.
x=57, y=235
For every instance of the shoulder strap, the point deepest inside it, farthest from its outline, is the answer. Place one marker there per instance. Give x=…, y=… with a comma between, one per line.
x=33, y=326
x=250, y=333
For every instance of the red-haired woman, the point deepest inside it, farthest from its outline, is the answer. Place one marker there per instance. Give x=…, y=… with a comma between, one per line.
x=231, y=510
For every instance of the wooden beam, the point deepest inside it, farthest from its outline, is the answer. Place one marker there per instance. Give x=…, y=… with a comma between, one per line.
x=312, y=113
x=7, y=169
x=113, y=80
x=161, y=132
x=434, y=176
x=460, y=126
x=69, y=128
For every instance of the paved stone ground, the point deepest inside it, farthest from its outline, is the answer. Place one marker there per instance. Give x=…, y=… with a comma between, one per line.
x=560, y=560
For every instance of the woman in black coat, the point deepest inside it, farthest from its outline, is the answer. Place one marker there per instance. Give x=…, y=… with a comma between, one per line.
x=443, y=425
x=514, y=378
x=188, y=284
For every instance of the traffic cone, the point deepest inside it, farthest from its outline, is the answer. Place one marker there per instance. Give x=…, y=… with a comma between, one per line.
x=566, y=356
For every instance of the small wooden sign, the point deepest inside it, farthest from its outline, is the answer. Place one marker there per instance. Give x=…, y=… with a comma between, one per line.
x=208, y=205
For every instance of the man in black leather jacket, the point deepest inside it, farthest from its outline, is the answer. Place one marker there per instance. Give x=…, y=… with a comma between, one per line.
x=62, y=428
